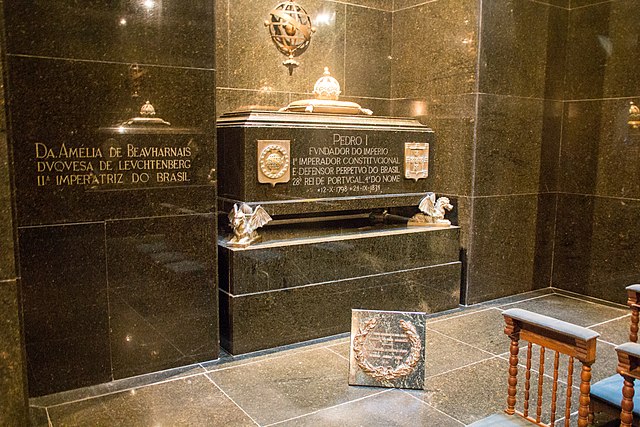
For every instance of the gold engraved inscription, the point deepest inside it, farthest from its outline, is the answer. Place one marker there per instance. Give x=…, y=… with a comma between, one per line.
x=393, y=363
x=273, y=162
x=416, y=160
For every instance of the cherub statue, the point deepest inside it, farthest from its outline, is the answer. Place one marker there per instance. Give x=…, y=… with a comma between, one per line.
x=245, y=221
x=433, y=212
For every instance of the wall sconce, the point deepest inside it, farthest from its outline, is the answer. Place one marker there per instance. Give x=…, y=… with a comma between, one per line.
x=634, y=116
x=290, y=29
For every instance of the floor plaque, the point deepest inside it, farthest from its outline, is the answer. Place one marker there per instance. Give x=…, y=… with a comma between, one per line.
x=387, y=349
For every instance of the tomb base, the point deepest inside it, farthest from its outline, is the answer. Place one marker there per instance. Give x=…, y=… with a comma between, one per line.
x=302, y=284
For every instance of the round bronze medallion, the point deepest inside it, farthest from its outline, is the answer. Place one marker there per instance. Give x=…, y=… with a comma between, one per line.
x=274, y=161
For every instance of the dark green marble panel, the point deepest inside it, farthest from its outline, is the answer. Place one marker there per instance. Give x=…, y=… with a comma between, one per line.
x=168, y=32
x=435, y=49
x=368, y=46
x=162, y=293
x=509, y=145
x=7, y=237
x=452, y=118
x=403, y=4
x=286, y=265
x=600, y=150
x=271, y=319
x=597, y=246
x=13, y=387
x=523, y=49
x=602, y=53
x=64, y=291
x=510, y=246
x=374, y=4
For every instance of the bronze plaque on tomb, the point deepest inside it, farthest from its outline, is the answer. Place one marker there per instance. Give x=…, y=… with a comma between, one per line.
x=387, y=349
x=273, y=161
x=416, y=160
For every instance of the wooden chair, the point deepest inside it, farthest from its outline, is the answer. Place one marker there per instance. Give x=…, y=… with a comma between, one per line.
x=629, y=369
x=549, y=334
x=607, y=394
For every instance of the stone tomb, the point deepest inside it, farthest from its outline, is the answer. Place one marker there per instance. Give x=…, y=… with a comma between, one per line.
x=321, y=177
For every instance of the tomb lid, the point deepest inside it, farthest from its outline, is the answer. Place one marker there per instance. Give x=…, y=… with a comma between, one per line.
x=264, y=118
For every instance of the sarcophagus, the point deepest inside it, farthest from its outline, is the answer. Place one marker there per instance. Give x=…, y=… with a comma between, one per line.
x=296, y=163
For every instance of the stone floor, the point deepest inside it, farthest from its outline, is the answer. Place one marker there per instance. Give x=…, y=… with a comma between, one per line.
x=306, y=385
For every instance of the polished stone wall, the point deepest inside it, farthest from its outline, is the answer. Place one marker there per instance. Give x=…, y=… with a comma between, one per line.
x=353, y=39
x=598, y=220
x=13, y=385
x=488, y=77
x=118, y=277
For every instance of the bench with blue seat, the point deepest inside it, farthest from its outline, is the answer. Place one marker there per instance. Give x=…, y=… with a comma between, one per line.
x=563, y=338
x=606, y=395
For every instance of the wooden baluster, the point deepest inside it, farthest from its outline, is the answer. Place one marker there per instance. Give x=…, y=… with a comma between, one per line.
x=635, y=316
x=554, y=392
x=540, y=381
x=567, y=410
x=527, y=382
x=513, y=377
x=585, y=388
x=626, y=416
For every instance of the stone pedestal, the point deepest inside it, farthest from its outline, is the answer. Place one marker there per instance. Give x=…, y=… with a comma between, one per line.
x=291, y=290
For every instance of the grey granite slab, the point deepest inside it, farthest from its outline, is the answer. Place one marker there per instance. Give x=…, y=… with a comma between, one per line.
x=289, y=386
x=190, y=401
x=389, y=409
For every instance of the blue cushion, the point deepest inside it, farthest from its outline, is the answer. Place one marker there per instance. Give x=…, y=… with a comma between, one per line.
x=610, y=390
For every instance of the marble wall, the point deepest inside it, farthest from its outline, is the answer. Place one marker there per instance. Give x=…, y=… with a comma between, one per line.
x=487, y=77
x=13, y=385
x=117, y=248
x=598, y=225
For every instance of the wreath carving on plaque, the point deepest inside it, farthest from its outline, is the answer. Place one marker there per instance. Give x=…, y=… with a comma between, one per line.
x=382, y=373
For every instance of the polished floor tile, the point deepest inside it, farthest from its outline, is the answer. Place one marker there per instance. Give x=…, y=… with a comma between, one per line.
x=186, y=402
x=481, y=329
x=615, y=331
x=379, y=410
x=289, y=386
x=306, y=384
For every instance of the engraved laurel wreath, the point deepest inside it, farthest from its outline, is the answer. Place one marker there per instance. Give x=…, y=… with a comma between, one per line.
x=383, y=372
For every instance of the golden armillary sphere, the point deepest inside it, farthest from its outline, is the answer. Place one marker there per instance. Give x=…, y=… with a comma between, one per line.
x=290, y=29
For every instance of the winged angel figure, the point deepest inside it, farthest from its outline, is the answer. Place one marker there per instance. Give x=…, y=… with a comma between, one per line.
x=245, y=221
x=433, y=211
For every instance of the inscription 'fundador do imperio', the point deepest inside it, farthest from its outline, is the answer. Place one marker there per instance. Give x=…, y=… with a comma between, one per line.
x=327, y=157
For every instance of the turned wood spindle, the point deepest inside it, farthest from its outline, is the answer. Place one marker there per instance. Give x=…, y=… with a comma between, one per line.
x=540, y=382
x=635, y=316
x=527, y=382
x=554, y=391
x=513, y=376
x=585, y=388
x=567, y=410
x=626, y=416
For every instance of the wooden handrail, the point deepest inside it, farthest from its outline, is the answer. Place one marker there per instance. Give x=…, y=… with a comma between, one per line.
x=561, y=337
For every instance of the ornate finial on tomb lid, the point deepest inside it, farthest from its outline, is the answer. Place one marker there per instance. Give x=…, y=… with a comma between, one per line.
x=634, y=115
x=327, y=87
x=147, y=110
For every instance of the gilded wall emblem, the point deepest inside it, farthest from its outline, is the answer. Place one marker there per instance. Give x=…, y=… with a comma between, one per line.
x=273, y=162
x=416, y=160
